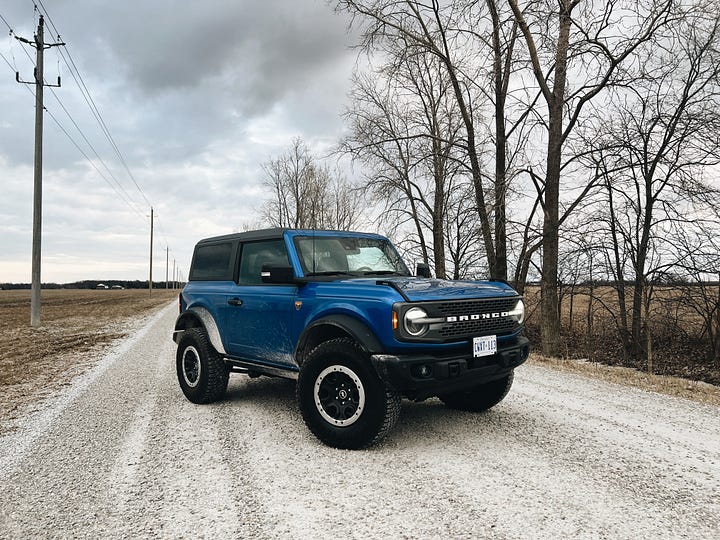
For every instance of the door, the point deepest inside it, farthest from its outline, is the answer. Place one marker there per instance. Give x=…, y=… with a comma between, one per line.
x=260, y=316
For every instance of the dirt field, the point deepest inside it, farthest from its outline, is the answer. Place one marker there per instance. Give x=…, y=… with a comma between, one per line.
x=76, y=326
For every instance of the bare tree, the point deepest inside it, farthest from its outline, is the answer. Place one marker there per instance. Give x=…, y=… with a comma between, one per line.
x=589, y=40
x=700, y=261
x=306, y=195
x=381, y=137
x=659, y=138
x=467, y=259
x=404, y=128
x=452, y=35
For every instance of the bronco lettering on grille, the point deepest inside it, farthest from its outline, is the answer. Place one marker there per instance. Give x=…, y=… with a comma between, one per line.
x=477, y=317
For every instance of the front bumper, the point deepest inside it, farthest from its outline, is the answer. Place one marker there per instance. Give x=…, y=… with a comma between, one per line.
x=419, y=377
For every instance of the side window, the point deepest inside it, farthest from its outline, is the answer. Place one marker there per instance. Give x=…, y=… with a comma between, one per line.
x=212, y=262
x=255, y=254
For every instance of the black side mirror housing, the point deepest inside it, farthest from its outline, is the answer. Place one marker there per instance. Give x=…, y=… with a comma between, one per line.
x=423, y=270
x=273, y=273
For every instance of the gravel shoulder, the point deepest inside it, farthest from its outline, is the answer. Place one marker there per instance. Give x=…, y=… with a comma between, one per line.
x=121, y=453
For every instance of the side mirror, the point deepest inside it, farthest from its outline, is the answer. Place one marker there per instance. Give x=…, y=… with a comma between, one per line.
x=423, y=270
x=273, y=273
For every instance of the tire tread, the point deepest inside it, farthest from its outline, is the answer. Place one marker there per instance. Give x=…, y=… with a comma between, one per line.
x=390, y=399
x=217, y=374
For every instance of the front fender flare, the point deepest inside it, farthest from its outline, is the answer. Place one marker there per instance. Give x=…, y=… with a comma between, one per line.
x=333, y=325
x=199, y=317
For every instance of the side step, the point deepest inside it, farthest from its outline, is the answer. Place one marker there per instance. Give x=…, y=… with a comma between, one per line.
x=254, y=369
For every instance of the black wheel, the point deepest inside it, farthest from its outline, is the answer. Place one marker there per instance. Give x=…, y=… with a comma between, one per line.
x=341, y=398
x=201, y=371
x=480, y=398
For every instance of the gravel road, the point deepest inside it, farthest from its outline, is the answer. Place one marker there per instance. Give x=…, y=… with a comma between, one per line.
x=121, y=453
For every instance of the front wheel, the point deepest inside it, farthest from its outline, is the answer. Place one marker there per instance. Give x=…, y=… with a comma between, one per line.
x=201, y=371
x=481, y=397
x=341, y=398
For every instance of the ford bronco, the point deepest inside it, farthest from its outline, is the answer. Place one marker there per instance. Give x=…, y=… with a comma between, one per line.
x=341, y=314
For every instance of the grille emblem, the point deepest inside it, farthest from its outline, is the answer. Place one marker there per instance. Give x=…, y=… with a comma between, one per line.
x=477, y=316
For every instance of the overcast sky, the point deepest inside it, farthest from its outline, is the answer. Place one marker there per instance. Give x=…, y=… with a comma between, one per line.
x=195, y=94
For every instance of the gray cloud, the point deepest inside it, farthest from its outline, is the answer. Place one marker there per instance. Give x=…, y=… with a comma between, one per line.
x=196, y=96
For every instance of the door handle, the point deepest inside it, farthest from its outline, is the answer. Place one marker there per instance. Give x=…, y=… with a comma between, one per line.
x=235, y=302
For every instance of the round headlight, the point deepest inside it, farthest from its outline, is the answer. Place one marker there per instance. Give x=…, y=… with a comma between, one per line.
x=412, y=324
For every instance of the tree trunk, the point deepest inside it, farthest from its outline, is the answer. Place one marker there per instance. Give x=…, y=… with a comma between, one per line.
x=619, y=275
x=500, y=184
x=572, y=305
x=636, y=345
x=589, y=318
x=550, y=324
x=438, y=216
x=482, y=210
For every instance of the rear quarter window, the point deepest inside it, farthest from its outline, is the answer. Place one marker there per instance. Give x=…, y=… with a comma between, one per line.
x=212, y=262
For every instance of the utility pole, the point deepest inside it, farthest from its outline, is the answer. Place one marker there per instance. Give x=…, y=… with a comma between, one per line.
x=152, y=223
x=174, y=274
x=167, y=266
x=40, y=46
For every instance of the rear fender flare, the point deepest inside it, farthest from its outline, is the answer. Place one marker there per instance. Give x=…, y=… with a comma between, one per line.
x=199, y=317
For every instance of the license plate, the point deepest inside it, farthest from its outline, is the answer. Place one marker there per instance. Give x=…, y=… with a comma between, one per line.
x=484, y=346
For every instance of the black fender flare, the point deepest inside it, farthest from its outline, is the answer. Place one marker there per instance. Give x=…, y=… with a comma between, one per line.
x=332, y=326
x=199, y=317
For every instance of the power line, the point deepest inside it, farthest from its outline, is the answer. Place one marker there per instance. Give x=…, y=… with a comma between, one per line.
x=157, y=219
x=124, y=196
x=131, y=202
x=11, y=67
x=87, y=96
x=120, y=194
x=80, y=82
x=95, y=114
x=6, y=23
x=70, y=62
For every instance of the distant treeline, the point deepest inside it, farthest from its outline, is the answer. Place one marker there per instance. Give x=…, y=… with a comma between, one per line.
x=93, y=284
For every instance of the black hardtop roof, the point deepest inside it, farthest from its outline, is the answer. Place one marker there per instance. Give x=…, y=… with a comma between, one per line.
x=264, y=234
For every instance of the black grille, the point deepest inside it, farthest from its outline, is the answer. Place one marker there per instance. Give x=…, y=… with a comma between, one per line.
x=503, y=325
x=471, y=307
x=477, y=327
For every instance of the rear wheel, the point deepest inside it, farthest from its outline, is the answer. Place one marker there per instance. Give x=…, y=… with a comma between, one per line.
x=201, y=371
x=481, y=397
x=341, y=398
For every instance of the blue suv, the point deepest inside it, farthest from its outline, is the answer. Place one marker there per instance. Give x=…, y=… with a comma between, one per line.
x=341, y=314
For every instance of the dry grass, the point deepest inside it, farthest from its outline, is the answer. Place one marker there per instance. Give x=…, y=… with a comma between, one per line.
x=76, y=327
x=673, y=386
x=680, y=344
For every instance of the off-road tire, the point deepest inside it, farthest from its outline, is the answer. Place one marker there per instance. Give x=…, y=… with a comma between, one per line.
x=201, y=371
x=342, y=399
x=481, y=397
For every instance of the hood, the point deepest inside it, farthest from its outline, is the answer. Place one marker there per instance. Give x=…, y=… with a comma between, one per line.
x=422, y=289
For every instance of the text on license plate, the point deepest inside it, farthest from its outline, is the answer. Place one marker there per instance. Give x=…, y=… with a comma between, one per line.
x=484, y=346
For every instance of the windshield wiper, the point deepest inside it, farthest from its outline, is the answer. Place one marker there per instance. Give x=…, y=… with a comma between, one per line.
x=329, y=273
x=382, y=273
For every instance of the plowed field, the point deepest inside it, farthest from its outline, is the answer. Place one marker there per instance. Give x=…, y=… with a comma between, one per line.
x=76, y=325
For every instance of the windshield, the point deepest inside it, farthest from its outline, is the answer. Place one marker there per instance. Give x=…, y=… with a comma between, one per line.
x=348, y=255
